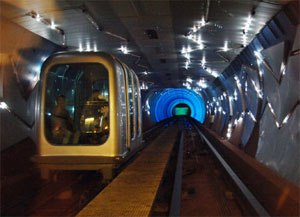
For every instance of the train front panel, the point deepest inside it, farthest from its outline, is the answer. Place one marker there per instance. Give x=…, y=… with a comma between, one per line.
x=82, y=107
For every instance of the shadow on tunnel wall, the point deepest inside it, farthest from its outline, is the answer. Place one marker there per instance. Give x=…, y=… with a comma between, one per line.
x=254, y=104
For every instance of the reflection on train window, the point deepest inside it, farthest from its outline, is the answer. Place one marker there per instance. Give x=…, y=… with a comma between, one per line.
x=77, y=104
x=136, y=105
x=131, y=103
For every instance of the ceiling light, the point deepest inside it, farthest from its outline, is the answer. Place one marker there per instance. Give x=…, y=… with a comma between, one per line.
x=251, y=115
x=199, y=40
x=36, y=16
x=258, y=91
x=203, y=22
x=248, y=24
x=186, y=65
x=225, y=48
x=188, y=49
x=95, y=48
x=229, y=130
x=80, y=47
x=203, y=62
x=88, y=47
x=145, y=87
x=215, y=74
x=187, y=56
x=188, y=79
x=195, y=28
x=3, y=105
x=52, y=26
x=258, y=55
x=235, y=95
x=212, y=72
x=124, y=49
x=202, y=83
x=201, y=46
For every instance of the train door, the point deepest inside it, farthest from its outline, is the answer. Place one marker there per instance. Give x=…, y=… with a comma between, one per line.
x=137, y=112
x=131, y=107
x=138, y=105
x=122, y=106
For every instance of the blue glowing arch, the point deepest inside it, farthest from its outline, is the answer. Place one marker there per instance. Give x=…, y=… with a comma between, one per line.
x=163, y=103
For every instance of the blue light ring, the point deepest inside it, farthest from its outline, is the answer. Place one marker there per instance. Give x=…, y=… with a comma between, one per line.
x=163, y=102
x=153, y=104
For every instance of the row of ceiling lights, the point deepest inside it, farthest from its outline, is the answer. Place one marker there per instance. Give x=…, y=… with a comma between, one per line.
x=49, y=23
x=202, y=83
x=185, y=51
x=89, y=47
x=192, y=35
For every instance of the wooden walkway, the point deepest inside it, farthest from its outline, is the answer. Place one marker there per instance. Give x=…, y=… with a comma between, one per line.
x=133, y=192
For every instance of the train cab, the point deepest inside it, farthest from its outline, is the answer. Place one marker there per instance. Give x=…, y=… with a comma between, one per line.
x=90, y=112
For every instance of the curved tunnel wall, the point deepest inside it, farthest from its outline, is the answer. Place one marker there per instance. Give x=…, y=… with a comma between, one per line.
x=164, y=101
x=254, y=104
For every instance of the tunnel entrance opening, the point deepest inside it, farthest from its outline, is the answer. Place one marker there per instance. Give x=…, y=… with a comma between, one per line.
x=164, y=103
x=181, y=109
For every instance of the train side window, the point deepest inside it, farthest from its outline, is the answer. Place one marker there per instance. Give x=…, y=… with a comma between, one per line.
x=122, y=102
x=131, y=104
x=138, y=102
x=77, y=104
x=136, y=105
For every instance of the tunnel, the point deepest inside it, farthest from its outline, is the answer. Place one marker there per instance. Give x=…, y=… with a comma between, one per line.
x=233, y=66
x=181, y=109
x=169, y=102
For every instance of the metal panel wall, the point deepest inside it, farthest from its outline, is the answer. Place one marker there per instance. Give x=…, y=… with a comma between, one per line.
x=263, y=89
x=22, y=54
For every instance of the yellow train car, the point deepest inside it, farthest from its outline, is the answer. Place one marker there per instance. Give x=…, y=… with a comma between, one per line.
x=90, y=112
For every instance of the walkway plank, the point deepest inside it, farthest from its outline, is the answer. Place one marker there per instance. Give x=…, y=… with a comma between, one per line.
x=133, y=192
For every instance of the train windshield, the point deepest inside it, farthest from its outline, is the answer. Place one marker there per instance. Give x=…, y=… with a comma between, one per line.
x=77, y=104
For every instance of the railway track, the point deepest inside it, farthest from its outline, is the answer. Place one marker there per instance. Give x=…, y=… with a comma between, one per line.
x=196, y=182
x=25, y=193
x=67, y=192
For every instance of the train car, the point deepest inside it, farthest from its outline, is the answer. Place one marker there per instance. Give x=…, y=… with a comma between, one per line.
x=90, y=113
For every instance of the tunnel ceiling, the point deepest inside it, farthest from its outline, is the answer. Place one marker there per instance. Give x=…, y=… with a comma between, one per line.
x=165, y=42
